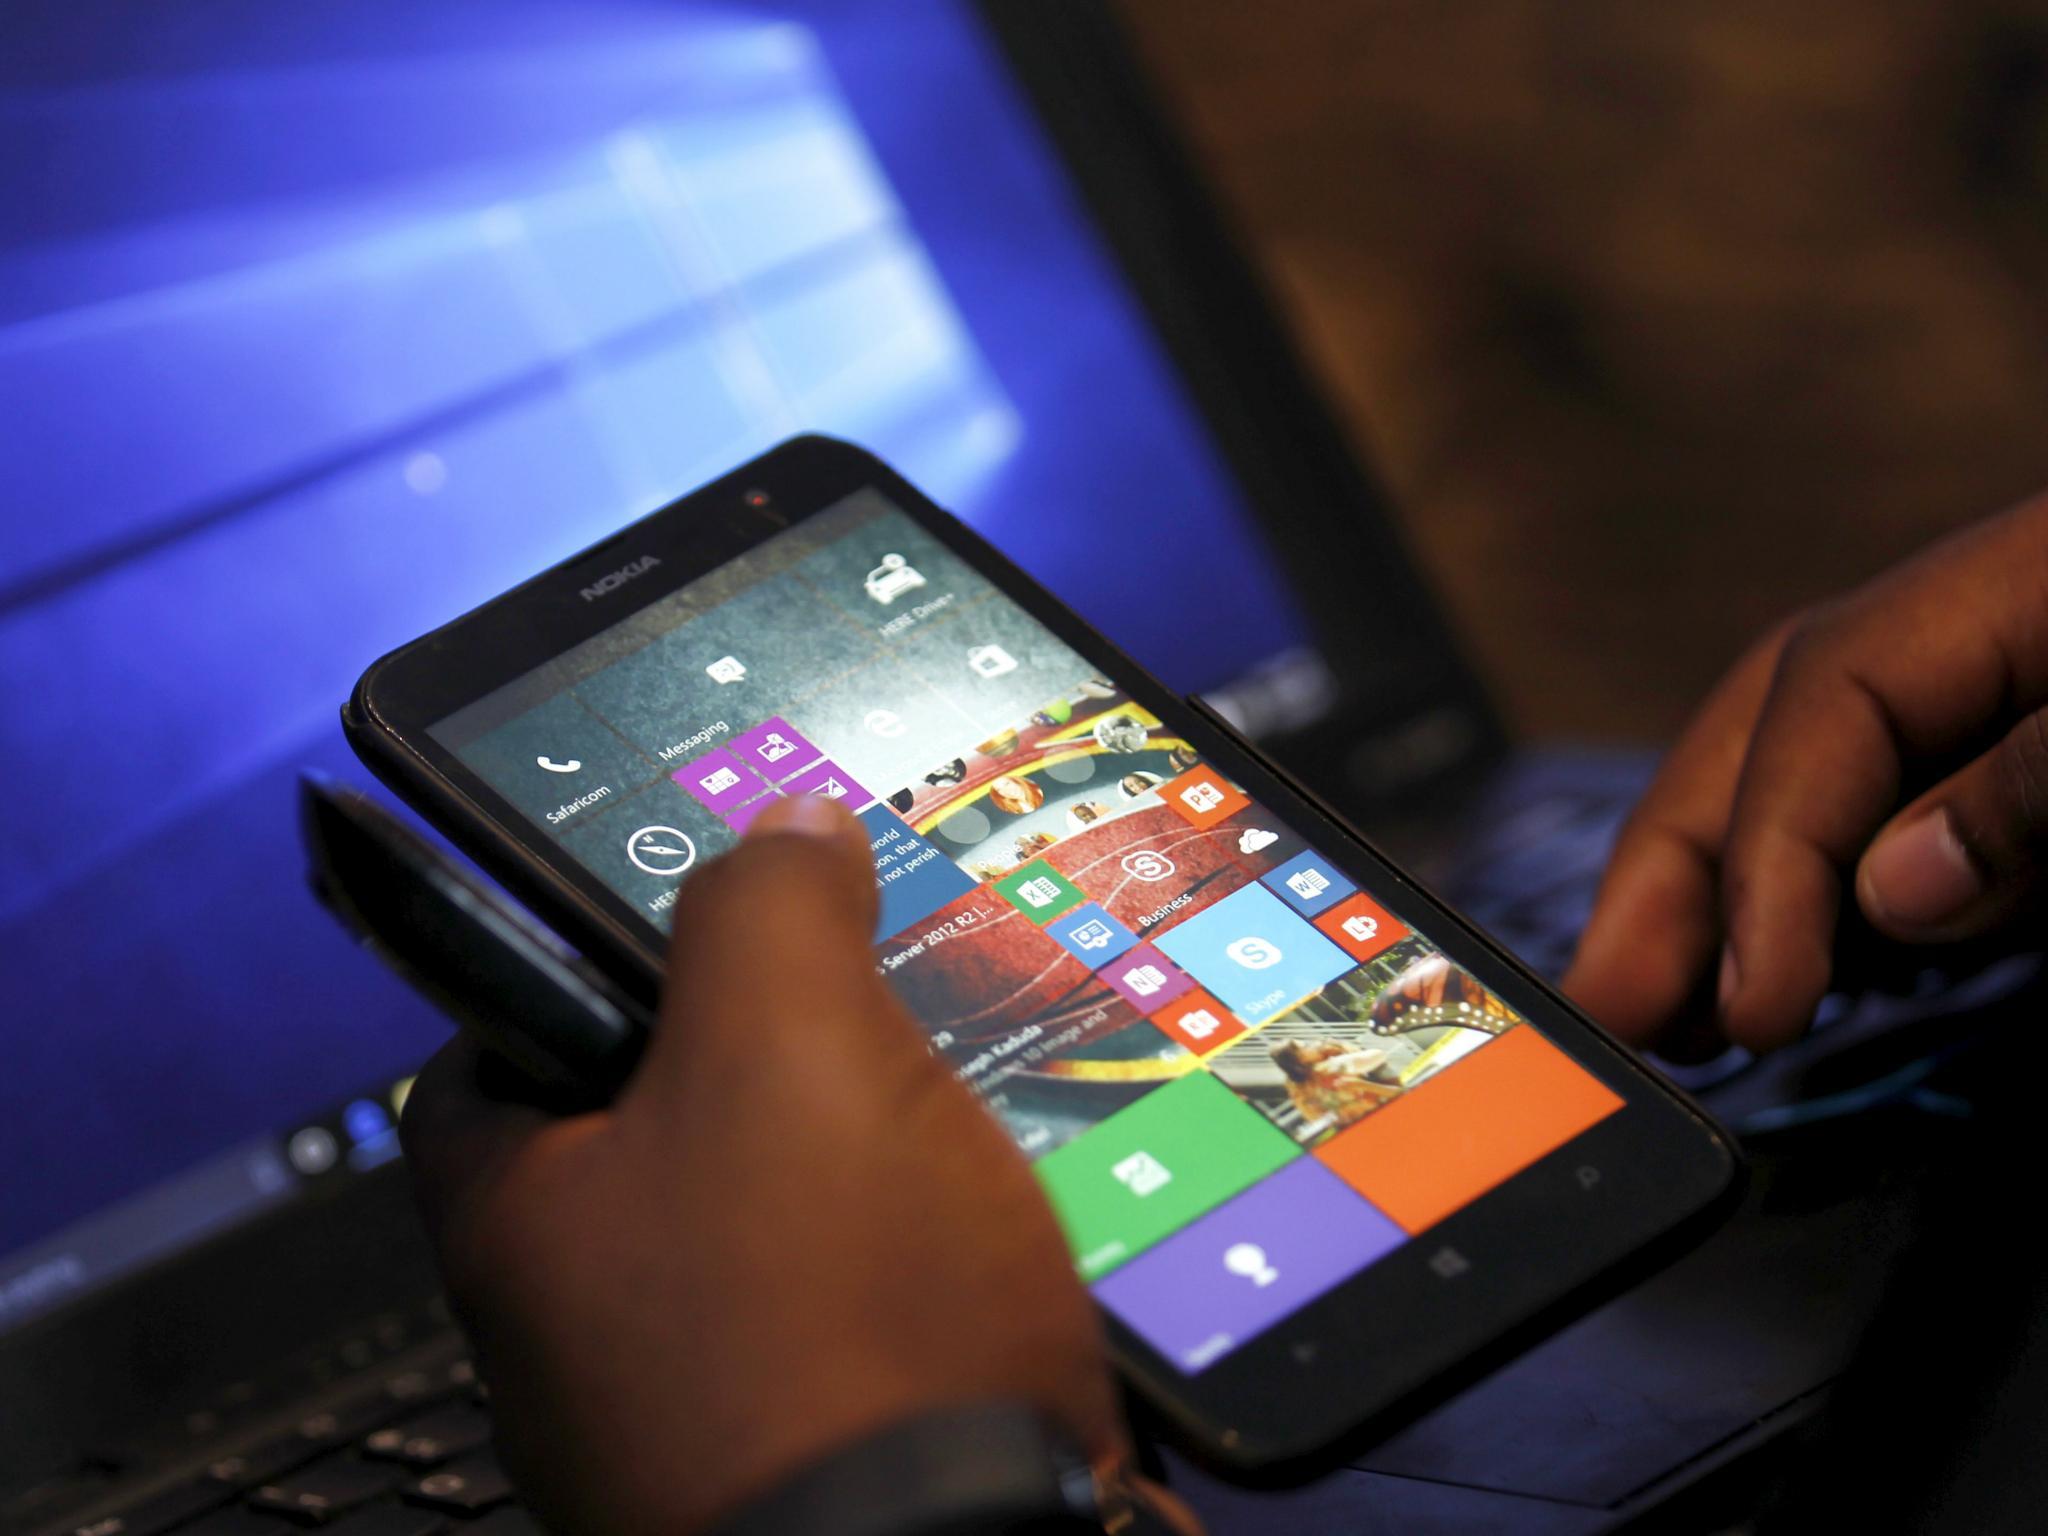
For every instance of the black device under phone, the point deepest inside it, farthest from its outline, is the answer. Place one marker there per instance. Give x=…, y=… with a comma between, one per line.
x=1321, y=1150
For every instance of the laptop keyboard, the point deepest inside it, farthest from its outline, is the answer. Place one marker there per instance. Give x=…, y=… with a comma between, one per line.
x=402, y=1448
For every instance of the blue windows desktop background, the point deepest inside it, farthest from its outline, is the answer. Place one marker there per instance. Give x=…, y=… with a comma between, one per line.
x=322, y=323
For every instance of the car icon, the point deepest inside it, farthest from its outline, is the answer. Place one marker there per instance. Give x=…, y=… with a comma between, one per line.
x=892, y=578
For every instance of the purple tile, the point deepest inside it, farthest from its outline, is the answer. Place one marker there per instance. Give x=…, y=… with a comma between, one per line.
x=1147, y=978
x=1246, y=1265
x=718, y=781
x=740, y=817
x=828, y=778
x=775, y=749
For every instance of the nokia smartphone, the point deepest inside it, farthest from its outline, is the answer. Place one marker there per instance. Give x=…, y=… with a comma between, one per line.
x=1321, y=1151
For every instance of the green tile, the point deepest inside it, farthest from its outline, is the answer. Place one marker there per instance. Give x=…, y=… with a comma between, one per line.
x=1154, y=1167
x=1040, y=892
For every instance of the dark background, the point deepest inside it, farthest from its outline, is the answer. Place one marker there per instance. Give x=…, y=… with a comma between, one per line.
x=1661, y=320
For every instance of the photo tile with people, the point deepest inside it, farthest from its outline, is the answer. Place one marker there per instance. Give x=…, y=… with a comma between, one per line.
x=1362, y=1041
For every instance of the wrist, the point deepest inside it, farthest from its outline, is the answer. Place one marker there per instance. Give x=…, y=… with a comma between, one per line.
x=976, y=1469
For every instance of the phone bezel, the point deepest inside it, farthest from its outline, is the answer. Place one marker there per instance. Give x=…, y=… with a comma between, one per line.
x=1284, y=1402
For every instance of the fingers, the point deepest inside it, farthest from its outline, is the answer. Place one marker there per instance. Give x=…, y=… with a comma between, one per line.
x=462, y=1123
x=789, y=914
x=1967, y=854
x=1656, y=924
x=1911, y=671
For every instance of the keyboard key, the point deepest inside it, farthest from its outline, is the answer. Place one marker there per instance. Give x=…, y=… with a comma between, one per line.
x=174, y=1506
x=262, y=1463
x=470, y=1486
x=326, y=1490
x=340, y=1425
x=391, y=1520
x=428, y=1439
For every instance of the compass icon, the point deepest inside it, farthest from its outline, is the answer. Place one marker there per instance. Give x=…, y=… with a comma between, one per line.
x=661, y=850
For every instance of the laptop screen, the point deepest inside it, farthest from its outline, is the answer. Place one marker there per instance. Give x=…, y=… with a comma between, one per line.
x=321, y=325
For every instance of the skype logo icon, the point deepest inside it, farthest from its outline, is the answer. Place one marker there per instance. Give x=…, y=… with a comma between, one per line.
x=1254, y=953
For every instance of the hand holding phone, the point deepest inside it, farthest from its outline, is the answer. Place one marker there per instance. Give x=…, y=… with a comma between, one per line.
x=870, y=1247
x=1319, y=1149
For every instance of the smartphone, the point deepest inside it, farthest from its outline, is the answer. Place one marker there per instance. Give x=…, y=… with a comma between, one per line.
x=1322, y=1151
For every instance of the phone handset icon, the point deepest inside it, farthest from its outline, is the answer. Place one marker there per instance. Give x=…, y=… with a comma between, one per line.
x=552, y=766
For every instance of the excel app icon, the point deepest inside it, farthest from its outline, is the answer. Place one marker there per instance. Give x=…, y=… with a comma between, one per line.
x=1039, y=891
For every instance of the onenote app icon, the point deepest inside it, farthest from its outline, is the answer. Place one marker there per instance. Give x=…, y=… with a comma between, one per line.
x=1145, y=980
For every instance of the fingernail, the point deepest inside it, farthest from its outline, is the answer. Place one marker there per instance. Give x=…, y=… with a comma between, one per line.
x=1920, y=876
x=804, y=815
x=1730, y=981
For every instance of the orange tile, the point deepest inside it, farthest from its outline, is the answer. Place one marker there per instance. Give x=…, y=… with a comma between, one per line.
x=1480, y=1120
x=1199, y=1022
x=1202, y=797
x=1362, y=926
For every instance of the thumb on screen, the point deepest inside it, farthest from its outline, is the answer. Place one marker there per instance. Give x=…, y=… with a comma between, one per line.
x=772, y=955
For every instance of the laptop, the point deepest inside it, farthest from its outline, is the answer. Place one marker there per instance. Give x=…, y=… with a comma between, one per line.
x=315, y=329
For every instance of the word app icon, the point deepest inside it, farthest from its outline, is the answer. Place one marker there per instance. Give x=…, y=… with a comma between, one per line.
x=1308, y=883
x=1254, y=953
x=727, y=669
x=991, y=661
x=661, y=850
x=1361, y=927
x=1249, y=1260
x=891, y=579
x=718, y=781
x=1039, y=892
x=1145, y=980
x=574, y=764
x=1146, y=865
x=1142, y=1173
x=1201, y=797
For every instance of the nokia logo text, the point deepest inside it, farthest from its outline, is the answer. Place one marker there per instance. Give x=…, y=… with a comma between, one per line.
x=618, y=578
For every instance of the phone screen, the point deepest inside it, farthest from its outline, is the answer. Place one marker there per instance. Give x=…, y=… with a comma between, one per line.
x=1240, y=1078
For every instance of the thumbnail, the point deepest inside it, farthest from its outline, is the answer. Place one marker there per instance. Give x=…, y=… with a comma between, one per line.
x=1069, y=806
x=1362, y=1041
x=1081, y=761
